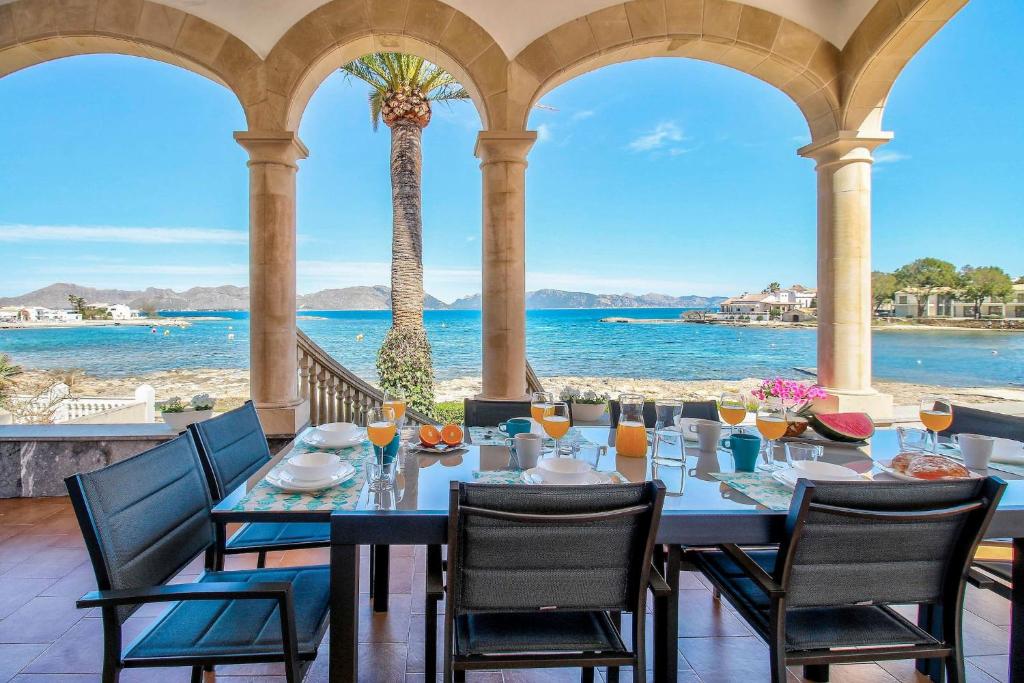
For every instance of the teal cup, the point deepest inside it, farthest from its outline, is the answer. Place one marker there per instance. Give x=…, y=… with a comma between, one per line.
x=744, y=448
x=517, y=425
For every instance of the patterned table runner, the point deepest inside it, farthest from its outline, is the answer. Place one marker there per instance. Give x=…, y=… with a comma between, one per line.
x=516, y=477
x=344, y=496
x=490, y=436
x=760, y=486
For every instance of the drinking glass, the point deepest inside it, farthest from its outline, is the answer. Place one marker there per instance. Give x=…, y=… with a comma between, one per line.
x=381, y=426
x=796, y=452
x=913, y=439
x=380, y=473
x=396, y=400
x=936, y=414
x=631, y=433
x=771, y=422
x=733, y=409
x=667, y=413
x=540, y=401
x=556, y=422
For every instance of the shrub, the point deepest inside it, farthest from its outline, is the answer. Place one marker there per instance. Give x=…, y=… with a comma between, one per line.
x=450, y=411
x=403, y=363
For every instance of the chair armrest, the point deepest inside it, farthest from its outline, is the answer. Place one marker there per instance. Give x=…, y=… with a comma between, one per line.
x=233, y=590
x=658, y=585
x=753, y=570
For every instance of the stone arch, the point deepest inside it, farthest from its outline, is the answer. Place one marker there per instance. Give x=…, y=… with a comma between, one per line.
x=875, y=55
x=342, y=30
x=33, y=32
x=780, y=52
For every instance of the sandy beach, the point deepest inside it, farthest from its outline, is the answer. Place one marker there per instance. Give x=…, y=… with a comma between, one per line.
x=131, y=322
x=231, y=387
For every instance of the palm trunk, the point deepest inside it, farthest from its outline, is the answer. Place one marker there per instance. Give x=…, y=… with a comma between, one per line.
x=407, y=226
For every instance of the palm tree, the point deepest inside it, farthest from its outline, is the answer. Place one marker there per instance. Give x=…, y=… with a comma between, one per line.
x=402, y=88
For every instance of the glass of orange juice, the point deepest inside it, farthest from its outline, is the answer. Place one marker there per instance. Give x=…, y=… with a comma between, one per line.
x=631, y=432
x=733, y=409
x=396, y=400
x=771, y=422
x=936, y=415
x=540, y=401
x=555, y=421
x=381, y=428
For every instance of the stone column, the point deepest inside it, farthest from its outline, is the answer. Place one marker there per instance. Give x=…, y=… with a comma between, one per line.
x=844, y=272
x=503, y=166
x=273, y=161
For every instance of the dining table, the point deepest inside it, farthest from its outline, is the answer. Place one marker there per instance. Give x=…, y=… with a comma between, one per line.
x=707, y=503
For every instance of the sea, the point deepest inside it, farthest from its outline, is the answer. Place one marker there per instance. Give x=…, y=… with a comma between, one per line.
x=572, y=342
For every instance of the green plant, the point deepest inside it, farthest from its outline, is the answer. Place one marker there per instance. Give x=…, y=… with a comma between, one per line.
x=403, y=363
x=583, y=397
x=450, y=411
x=202, y=402
x=171, y=405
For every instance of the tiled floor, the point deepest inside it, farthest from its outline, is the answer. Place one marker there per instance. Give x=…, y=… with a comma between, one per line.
x=43, y=638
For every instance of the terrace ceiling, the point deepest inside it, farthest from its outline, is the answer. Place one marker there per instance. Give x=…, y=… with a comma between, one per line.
x=513, y=25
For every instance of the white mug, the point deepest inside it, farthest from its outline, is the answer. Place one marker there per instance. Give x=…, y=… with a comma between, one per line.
x=975, y=449
x=708, y=433
x=526, y=446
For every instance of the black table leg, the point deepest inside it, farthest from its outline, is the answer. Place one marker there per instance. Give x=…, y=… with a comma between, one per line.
x=929, y=618
x=380, y=584
x=344, y=645
x=1017, y=614
x=666, y=622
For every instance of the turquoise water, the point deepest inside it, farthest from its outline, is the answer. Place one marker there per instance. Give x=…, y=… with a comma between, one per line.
x=559, y=342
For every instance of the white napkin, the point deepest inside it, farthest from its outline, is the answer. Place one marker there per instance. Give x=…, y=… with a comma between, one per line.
x=1008, y=452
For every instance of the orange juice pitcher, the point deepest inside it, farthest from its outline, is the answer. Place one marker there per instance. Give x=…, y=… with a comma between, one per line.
x=630, y=434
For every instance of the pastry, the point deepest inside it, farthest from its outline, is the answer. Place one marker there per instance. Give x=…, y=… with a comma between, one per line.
x=936, y=467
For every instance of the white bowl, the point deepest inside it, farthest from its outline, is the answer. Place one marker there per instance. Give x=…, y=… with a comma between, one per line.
x=313, y=466
x=563, y=470
x=335, y=433
x=823, y=471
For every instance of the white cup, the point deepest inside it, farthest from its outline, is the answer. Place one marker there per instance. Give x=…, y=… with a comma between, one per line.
x=527, y=447
x=975, y=449
x=708, y=433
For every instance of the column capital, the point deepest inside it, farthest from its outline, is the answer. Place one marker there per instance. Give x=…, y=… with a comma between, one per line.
x=843, y=147
x=493, y=146
x=272, y=146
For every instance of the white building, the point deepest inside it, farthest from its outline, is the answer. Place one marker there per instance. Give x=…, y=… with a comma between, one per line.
x=763, y=303
x=118, y=311
x=944, y=304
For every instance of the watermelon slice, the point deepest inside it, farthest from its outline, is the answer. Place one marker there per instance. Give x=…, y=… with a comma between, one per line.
x=844, y=426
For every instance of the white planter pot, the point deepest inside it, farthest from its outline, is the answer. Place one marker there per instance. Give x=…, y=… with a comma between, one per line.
x=179, y=421
x=587, y=412
x=6, y=418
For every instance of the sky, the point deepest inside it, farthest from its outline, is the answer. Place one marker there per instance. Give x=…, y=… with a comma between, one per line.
x=666, y=175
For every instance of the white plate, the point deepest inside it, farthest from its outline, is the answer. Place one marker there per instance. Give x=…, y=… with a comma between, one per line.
x=788, y=477
x=312, y=438
x=886, y=466
x=439, y=449
x=535, y=476
x=280, y=478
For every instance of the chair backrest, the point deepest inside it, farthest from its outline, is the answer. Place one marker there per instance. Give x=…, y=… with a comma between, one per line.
x=143, y=519
x=490, y=413
x=974, y=421
x=884, y=542
x=232, y=447
x=527, y=548
x=705, y=410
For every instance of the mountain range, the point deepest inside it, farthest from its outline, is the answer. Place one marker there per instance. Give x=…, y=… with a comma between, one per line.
x=377, y=298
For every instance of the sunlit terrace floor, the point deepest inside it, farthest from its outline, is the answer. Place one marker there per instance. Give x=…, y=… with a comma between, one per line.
x=43, y=638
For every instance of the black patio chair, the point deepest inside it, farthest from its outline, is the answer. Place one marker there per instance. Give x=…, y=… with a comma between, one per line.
x=705, y=410
x=538, y=576
x=233, y=447
x=144, y=519
x=993, y=575
x=491, y=413
x=850, y=551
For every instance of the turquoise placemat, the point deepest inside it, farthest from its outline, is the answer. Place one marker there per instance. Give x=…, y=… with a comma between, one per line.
x=344, y=496
x=516, y=477
x=490, y=436
x=760, y=486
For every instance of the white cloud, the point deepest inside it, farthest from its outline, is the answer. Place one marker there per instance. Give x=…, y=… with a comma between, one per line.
x=890, y=157
x=583, y=114
x=543, y=132
x=122, y=235
x=663, y=134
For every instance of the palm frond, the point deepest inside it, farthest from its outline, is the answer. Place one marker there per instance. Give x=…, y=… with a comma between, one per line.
x=376, y=103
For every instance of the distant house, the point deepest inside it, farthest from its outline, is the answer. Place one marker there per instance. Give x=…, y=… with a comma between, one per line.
x=944, y=303
x=37, y=313
x=800, y=315
x=118, y=311
x=763, y=303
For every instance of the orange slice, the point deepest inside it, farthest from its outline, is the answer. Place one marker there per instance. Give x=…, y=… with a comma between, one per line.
x=430, y=435
x=452, y=434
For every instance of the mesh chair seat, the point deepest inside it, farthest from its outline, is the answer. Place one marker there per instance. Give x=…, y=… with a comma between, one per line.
x=812, y=628
x=515, y=633
x=266, y=535
x=210, y=628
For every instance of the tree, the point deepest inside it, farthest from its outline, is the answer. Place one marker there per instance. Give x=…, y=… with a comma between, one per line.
x=402, y=88
x=771, y=288
x=883, y=288
x=1020, y=280
x=78, y=303
x=924, y=277
x=986, y=282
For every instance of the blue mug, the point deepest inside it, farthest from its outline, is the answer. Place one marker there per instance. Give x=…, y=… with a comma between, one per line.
x=744, y=448
x=388, y=453
x=517, y=425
